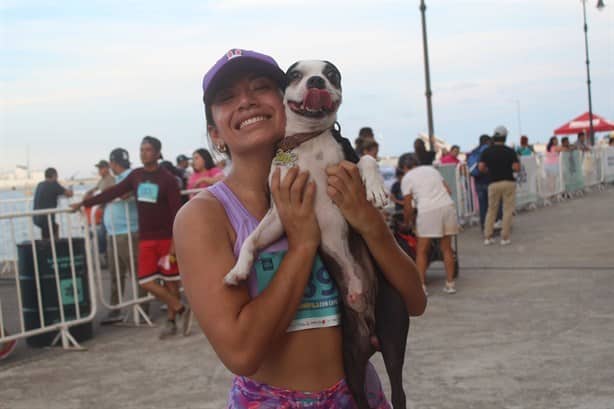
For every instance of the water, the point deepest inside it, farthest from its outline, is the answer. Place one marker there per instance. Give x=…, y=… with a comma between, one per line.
x=19, y=201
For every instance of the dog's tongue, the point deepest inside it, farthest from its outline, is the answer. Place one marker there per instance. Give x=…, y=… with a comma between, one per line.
x=318, y=99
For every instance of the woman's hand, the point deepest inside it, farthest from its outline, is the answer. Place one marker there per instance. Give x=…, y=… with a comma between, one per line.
x=347, y=191
x=294, y=198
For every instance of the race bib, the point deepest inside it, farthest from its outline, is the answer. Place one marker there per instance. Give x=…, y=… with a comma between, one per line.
x=147, y=192
x=320, y=304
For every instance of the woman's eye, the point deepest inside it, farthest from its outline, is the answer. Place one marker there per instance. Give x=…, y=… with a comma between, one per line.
x=261, y=84
x=223, y=95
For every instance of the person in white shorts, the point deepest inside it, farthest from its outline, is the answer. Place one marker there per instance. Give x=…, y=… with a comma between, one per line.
x=436, y=216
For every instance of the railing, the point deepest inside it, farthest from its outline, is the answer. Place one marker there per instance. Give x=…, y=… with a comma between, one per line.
x=542, y=179
x=62, y=285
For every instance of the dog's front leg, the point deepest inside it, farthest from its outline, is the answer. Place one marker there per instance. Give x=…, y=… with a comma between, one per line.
x=337, y=247
x=373, y=181
x=268, y=231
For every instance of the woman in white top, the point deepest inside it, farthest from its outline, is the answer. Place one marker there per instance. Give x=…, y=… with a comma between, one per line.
x=436, y=214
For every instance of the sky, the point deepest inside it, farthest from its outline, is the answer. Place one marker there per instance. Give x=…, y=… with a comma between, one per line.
x=80, y=78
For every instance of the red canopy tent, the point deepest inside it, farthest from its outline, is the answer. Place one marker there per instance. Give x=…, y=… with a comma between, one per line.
x=581, y=123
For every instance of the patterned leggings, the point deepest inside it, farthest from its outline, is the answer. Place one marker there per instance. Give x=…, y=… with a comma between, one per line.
x=249, y=394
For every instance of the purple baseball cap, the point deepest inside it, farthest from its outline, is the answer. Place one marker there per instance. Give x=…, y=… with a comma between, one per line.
x=237, y=58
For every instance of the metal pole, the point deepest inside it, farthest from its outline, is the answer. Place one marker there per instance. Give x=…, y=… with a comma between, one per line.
x=591, y=135
x=427, y=77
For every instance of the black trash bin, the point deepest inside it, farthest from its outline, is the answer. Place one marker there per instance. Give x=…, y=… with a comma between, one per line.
x=48, y=288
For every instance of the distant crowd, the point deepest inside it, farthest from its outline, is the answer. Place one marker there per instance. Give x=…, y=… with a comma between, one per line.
x=153, y=195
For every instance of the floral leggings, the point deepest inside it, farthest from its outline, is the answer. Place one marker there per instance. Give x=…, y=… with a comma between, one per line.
x=249, y=394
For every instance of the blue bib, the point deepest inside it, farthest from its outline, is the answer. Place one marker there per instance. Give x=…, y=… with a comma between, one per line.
x=147, y=192
x=319, y=307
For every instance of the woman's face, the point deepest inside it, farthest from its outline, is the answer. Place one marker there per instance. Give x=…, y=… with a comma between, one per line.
x=454, y=152
x=248, y=112
x=555, y=142
x=198, y=163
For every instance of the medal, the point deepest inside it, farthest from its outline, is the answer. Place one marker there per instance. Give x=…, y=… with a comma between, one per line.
x=285, y=158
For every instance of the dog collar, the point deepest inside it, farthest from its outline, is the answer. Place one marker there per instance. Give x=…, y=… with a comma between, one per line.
x=290, y=142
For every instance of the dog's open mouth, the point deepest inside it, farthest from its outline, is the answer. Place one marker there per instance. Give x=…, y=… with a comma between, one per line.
x=316, y=104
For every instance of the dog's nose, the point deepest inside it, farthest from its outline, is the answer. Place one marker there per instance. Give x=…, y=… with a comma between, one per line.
x=316, y=82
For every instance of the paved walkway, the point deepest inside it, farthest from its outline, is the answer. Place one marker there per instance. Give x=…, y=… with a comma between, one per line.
x=532, y=326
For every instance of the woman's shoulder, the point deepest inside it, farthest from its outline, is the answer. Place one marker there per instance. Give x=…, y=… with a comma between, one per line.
x=203, y=211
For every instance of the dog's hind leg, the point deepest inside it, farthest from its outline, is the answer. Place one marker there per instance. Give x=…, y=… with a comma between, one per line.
x=268, y=231
x=391, y=327
x=357, y=350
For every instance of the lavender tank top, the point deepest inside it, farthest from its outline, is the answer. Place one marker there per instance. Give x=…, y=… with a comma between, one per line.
x=320, y=305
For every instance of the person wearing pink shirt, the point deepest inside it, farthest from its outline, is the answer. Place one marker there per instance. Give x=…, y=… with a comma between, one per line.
x=205, y=172
x=452, y=157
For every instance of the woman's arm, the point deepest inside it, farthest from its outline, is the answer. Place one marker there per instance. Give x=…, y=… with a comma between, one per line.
x=243, y=330
x=346, y=189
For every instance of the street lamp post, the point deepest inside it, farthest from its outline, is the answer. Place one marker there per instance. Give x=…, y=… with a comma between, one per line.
x=591, y=135
x=427, y=77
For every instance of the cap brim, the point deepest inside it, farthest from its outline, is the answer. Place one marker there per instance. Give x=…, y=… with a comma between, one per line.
x=243, y=64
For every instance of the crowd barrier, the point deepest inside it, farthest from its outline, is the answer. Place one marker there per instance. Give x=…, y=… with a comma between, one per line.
x=72, y=226
x=126, y=287
x=542, y=179
x=53, y=279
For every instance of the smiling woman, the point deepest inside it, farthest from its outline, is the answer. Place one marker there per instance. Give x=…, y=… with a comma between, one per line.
x=254, y=327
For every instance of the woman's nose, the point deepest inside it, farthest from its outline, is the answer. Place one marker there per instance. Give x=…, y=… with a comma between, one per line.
x=246, y=99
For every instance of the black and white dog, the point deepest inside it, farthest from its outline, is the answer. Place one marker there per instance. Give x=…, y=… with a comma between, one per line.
x=312, y=98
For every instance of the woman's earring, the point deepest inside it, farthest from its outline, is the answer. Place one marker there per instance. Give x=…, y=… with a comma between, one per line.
x=222, y=148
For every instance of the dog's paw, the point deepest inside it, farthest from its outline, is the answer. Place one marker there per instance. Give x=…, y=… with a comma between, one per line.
x=235, y=275
x=356, y=299
x=357, y=302
x=373, y=181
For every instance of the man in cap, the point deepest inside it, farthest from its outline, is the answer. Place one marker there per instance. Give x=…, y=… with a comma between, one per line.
x=499, y=162
x=121, y=223
x=106, y=181
x=157, y=201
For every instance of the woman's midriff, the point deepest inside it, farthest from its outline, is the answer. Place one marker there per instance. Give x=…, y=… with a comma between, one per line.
x=308, y=361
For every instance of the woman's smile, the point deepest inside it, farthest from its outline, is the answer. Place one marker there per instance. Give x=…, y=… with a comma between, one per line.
x=253, y=120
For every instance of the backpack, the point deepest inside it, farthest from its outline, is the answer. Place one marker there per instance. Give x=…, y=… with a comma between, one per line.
x=474, y=159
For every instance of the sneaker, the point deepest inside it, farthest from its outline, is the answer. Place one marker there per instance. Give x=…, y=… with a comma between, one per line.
x=169, y=329
x=505, y=242
x=186, y=320
x=449, y=288
x=488, y=242
x=498, y=225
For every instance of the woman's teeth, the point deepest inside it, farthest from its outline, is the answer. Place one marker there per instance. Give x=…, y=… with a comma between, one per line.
x=252, y=120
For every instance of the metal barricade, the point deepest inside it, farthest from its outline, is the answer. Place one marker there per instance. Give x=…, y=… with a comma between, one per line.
x=607, y=165
x=527, y=183
x=134, y=300
x=549, y=180
x=59, y=290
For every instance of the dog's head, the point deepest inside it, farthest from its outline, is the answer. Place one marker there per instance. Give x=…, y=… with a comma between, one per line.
x=313, y=95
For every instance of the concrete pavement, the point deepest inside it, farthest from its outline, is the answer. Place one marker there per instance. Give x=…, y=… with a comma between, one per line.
x=532, y=326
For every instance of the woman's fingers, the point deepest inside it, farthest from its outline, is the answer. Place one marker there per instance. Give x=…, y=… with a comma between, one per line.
x=275, y=181
x=286, y=184
x=297, y=189
x=309, y=197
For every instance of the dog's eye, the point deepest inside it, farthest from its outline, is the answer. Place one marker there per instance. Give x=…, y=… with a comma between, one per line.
x=333, y=77
x=294, y=76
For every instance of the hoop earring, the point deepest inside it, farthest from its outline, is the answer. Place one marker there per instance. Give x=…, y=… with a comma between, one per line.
x=222, y=148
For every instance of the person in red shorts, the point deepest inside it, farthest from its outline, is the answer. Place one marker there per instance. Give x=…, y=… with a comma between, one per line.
x=158, y=200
